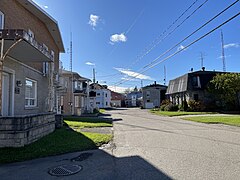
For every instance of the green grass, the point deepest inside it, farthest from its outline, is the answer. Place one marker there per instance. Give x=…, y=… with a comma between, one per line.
x=102, y=110
x=177, y=113
x=84, y=122
x=233, y=120
x=61, y=141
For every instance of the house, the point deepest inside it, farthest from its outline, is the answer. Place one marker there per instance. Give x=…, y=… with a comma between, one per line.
x=100, y=96
x=117, y=99
x=191, y=86
x=30, y=43
x=75, y=98
x=153, y=95
x=134, y=99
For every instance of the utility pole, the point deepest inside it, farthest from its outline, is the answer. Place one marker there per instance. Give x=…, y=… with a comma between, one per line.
x=223, y=53
x=94, y=75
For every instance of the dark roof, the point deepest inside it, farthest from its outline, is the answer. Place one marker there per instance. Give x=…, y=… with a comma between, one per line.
x=155, y=85
x=185, y=82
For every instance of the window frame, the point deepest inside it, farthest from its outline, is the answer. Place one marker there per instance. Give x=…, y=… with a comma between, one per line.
x=2, y=19
x=28, y=105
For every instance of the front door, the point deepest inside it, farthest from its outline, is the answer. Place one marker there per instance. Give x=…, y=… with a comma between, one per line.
x=5, y=94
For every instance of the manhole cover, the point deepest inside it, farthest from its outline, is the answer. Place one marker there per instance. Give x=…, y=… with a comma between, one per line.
x=65, y=170
x=82, y=157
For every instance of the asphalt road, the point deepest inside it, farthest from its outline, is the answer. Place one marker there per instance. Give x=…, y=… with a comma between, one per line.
x=148, y=147
x=180, y=149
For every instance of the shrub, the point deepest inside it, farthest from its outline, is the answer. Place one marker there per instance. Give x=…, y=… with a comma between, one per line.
x=171, y=107
x=95, y=111
x=162, y=107
x=166, y=102
x=195, y=105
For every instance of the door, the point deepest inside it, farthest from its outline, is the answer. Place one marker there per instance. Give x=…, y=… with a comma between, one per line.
x=5, y=94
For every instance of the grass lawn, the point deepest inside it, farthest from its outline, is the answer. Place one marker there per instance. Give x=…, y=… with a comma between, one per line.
x=102, y=110
x=229, y=120
x=83, y=122
x=61, y=141
x=177, y=113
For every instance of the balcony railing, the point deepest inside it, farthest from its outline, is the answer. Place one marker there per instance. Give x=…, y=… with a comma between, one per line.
x=16, y=34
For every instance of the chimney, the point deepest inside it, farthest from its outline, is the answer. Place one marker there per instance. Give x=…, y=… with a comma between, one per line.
x=155, y=83
x=203, y=68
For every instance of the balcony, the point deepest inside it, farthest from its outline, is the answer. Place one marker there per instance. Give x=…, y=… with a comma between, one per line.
x=21, y=46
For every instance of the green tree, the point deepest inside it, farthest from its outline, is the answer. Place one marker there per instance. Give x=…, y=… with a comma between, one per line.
x=226, y=88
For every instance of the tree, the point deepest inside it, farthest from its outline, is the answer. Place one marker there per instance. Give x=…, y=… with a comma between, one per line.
x=226, y=88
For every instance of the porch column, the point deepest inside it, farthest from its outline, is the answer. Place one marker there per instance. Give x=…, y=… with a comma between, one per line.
x=1, y=70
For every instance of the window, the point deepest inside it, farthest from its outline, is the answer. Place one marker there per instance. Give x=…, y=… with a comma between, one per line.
x=30, y=93
x=77, y=102
x=106, y=103
x=1, y=20
x=148, y=93
x=45, y=68
x=106, y=94
x=98, y=94
x=97, y=102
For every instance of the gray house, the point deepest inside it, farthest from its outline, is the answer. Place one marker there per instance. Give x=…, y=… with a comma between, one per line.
x=153, y=95
x=191, y=86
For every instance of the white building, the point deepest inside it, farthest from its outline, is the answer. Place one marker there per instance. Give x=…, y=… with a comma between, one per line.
x=100, y=96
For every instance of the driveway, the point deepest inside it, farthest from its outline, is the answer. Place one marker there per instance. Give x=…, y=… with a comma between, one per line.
x=148, y=146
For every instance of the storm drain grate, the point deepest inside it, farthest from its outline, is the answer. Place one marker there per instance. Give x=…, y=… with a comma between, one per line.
x=82, y=157
x=65, y=170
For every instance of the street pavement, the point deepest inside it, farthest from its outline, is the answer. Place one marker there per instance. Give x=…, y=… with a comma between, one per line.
x=148, y=146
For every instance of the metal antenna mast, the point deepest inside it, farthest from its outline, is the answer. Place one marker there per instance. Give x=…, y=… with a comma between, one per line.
x=223, y=53
x=165, y=75
x=202, y=59
x=71, y=95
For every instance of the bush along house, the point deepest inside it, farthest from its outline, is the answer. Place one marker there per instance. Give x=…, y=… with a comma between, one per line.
x=192, y=86
x=30, y=43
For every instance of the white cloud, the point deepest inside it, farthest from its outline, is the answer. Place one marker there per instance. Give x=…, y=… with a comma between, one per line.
x=46, y=7
x=93, y=20
x=181, y=47
x=119, y=89
x=118, y=38
x=90, y=63
x=134, y=74
x=232, y=45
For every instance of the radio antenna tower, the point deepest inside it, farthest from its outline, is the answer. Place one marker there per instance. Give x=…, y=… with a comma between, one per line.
x=223, y=53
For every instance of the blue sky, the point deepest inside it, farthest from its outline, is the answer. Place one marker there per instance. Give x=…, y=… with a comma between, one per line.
x=112, y=36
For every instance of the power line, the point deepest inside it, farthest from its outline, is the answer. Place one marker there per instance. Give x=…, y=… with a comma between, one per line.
x=180, y=50
x=157, y=41
x=176, y=45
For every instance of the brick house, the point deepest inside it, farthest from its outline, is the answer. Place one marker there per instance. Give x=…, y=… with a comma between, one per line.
x=30, y=43
x=153, y=95
x=75, y=97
